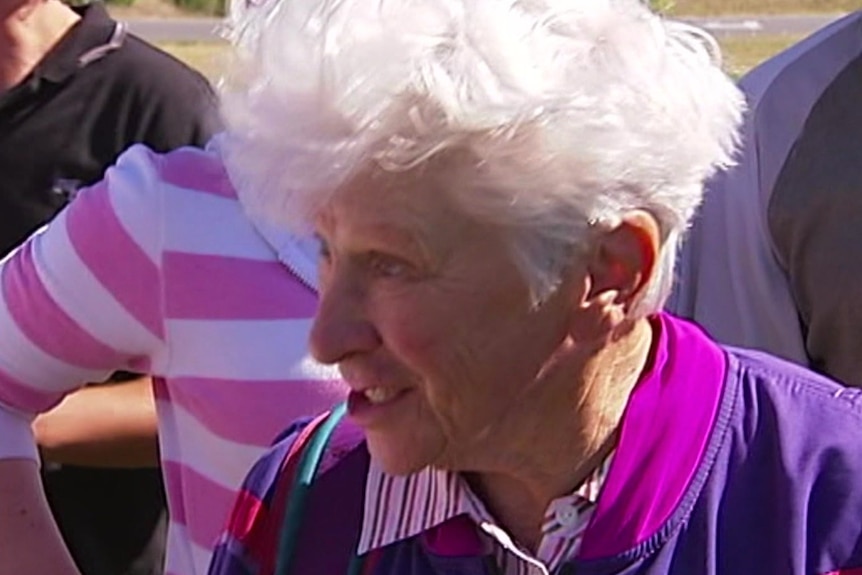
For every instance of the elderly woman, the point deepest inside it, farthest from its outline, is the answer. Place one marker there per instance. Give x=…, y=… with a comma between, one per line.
x=498, y=188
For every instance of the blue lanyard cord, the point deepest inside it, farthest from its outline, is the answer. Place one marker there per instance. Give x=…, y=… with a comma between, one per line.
x=355, y=567
x=306, y=471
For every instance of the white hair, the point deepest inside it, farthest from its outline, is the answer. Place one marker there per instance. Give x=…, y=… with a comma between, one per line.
x=572, y=111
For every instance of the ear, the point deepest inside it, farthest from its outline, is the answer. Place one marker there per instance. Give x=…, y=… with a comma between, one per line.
x=620, y=265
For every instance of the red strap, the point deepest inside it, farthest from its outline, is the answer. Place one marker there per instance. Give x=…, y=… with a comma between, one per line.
x=286, y=477
x=371, y=560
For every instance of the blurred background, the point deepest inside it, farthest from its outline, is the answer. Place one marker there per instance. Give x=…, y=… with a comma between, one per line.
x=748, y=30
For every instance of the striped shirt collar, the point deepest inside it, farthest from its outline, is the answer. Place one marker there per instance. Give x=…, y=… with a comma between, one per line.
x=400, y=507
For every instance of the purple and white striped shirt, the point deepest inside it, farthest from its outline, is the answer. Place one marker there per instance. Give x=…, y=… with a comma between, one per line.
x=159, y=270
x=400, y=507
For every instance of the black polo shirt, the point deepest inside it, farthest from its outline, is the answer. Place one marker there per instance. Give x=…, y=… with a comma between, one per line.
x=92, y=97
x=96, y=93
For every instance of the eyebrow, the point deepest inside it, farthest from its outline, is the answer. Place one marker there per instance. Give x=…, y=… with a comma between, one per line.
x=394, y=234
x=414, y=243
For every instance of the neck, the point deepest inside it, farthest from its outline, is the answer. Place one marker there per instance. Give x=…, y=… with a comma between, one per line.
x=29, y=29
x=563, y=437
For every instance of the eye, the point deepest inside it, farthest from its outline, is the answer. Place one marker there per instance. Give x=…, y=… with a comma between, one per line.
x=387, y=266
x=323, y=252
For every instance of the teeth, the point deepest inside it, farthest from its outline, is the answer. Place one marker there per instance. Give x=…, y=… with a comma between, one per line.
x=379, y=394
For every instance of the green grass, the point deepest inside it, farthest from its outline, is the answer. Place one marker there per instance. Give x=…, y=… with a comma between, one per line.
x=741, y=53
x=203, y=7
x=713, y=7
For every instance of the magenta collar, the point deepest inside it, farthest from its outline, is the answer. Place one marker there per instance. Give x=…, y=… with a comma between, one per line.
x=665, y=430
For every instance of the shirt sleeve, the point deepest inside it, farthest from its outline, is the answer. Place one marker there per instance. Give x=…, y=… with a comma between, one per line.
x=815, y=220
x=82, y=298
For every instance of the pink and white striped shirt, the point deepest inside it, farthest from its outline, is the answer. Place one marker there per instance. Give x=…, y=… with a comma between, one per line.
x=159, y=270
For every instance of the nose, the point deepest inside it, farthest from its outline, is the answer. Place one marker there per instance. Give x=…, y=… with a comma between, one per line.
x=342, y=327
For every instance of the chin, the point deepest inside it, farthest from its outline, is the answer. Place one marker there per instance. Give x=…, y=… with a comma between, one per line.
x=396, y=457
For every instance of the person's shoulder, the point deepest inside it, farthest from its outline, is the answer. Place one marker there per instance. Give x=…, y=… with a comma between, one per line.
x=802, y=432
x=189, y=167
x=196, y=169
x=160, y=89
x=158, y=99
x=144, y=66
x=808, y=410
x=806, y=64
x=805, y=411
x=787, y=378
x=142, y=174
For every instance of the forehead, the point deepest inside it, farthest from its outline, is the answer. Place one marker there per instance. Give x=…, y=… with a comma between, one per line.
x=399, y=206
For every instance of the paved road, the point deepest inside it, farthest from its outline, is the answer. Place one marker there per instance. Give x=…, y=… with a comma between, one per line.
x=203, y=29
x=797, y=25
x=176, y=29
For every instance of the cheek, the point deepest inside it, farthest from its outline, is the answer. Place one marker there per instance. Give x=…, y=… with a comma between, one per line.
x=462, y=388
x=460, y=347
x=454, y=349
x=420, y=345
x=443, y=366
x=414, y=329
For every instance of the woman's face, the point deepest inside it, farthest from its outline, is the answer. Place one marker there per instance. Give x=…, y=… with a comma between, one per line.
x=430, y=323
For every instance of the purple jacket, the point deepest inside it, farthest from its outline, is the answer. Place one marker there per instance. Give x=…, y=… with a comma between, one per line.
x=729, y=462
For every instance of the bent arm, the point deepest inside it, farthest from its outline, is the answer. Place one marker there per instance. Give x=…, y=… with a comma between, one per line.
x=826, y=278
x=29, y=539
x=814, y=216
x=106, y=425
x=78, y=301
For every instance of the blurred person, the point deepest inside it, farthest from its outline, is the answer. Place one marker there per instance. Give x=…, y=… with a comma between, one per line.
x=158, y=269
x=772, y=260
x=76, y=89
x=155, y=270
x=498, y=189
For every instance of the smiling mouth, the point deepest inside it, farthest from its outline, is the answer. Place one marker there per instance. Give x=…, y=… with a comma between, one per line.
x=377, y=405
x=380, y=395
